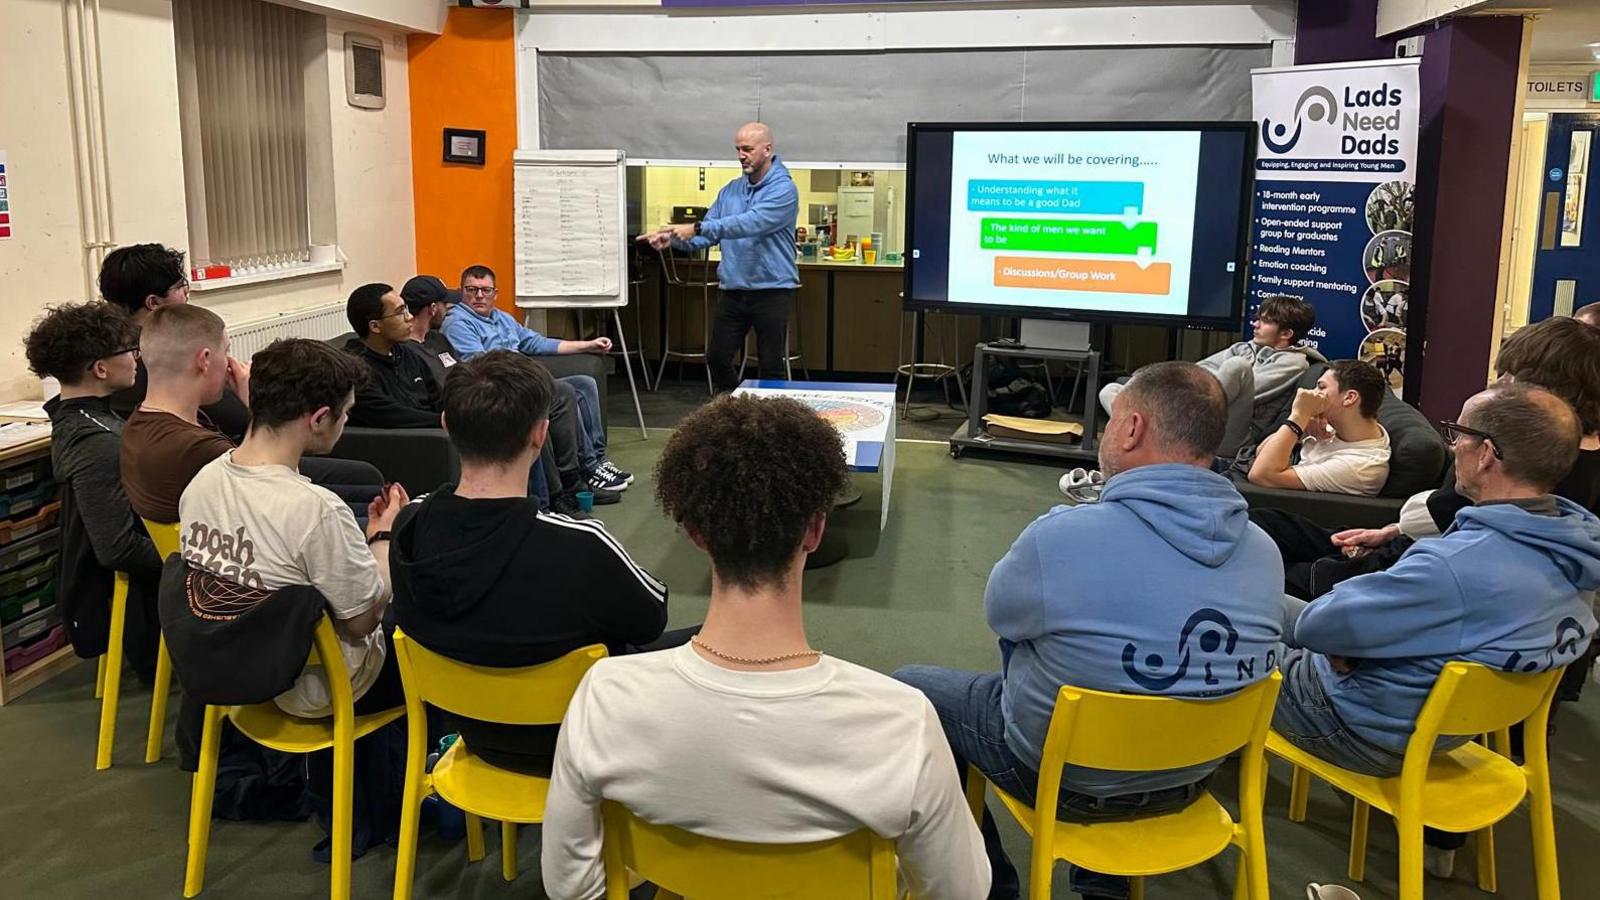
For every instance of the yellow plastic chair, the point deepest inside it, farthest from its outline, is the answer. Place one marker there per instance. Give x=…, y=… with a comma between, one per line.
x=107, y=688
x=857, y=866
x=270, y=726
x=1137, y=733
x=530, y=695
x=1467, y=789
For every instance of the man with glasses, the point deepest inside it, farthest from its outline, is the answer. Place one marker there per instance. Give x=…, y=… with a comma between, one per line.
x=475, y=326
x=1507, y=586
x=92, y=349
x=140, y=279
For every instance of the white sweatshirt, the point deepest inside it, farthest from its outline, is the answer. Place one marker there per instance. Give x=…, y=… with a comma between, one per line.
x=765, y=757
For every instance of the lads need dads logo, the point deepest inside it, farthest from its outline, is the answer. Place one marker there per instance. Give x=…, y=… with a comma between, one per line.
x=1339, y=123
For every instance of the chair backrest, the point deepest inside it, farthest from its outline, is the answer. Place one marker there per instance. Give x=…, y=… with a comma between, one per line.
x=325, y=646
x=1139, y=733
x=529, y=695
x=857, y=866
x=165, y=535
x=669, y=265
x=1469, y=698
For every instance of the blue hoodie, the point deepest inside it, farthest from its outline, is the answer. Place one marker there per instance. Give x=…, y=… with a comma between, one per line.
x=472, y=334
x=1163, y=587
x=755, y=225
x=1504, y=587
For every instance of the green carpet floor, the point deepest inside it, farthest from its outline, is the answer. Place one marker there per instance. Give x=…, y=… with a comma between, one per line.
x=912, y=594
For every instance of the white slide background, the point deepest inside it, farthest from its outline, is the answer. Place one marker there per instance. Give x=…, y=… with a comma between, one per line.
x=1169, y=164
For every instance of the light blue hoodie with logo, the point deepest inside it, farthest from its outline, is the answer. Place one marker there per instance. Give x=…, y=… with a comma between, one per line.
x=1505, y=587
x=1163, y=587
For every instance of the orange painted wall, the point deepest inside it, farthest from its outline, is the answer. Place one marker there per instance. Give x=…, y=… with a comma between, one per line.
x=465, y=78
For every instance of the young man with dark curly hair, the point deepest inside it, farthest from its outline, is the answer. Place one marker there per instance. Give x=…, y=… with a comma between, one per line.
x=139, y=279
x=91, y=349
x=482, y=576
x=748, y=733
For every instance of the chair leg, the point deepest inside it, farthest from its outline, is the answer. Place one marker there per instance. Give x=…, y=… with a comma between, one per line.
x=1299, y=794
x=1358, y=842
x=1241, y=889
x=1488, y=875
x=158, y=703
x=203, y=786
x=1410, y=859
x=508, y=850
x=113, y=679
x=1136, y=888
x=1541, y=819
x=344, y=779
x=100, y=678
x=474, y=838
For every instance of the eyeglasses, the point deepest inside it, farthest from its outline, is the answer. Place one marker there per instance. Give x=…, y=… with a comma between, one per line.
x=480, y=291
x=399, y=312
x=1454, y=430
x=134, y=350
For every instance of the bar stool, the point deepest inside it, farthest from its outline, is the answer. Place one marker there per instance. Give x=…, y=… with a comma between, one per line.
x=675, y=279
x=940, y=371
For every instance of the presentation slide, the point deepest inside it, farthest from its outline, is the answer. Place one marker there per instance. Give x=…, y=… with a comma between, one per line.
x=1097, y=220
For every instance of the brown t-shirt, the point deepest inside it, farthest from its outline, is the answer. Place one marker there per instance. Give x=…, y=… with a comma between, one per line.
x=160, y=455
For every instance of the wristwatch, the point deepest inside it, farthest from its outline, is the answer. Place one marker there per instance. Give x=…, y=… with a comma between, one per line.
x=697, y=228
x=379, y=536
x=1298, y=431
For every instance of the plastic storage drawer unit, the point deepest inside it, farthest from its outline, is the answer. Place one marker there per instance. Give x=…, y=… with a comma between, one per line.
x=27, y=603
x=23, y=552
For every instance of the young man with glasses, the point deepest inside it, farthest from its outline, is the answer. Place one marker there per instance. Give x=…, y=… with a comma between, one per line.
x=92, y=349
x=140, y=279
x=475, y=326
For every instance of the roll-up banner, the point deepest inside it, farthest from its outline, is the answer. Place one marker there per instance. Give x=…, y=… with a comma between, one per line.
x=1333, y=211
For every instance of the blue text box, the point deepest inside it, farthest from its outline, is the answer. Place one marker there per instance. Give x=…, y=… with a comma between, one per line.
x=1100, y=198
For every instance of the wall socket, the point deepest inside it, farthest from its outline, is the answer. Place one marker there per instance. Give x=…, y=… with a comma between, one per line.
x=1408, y=47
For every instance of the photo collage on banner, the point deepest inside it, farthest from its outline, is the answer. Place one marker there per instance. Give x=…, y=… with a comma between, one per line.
x=1334, y=202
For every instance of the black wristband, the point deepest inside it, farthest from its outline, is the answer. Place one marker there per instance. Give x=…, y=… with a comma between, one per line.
x=379, y=536
x=697, y=228
x=1298, y=431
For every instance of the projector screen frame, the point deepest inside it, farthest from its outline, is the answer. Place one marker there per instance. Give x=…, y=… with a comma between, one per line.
x=1234, y=321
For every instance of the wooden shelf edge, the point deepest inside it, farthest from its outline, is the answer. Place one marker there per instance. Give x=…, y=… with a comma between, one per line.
x=23, y=680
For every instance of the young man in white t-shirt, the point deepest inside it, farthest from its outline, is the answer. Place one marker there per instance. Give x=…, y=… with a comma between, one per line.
x=1343, y=449
x=748, y=733
x=250, y=517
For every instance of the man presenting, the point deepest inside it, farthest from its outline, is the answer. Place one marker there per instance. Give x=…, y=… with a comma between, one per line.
x=753, y=219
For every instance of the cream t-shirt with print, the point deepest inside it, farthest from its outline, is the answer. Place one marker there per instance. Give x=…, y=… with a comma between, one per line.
x=269, y=527
x=1345, y=467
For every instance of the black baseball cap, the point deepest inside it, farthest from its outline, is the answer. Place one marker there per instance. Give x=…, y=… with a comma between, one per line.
x=425, y=289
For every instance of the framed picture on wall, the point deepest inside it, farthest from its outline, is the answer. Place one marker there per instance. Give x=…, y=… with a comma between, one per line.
x=464, y=145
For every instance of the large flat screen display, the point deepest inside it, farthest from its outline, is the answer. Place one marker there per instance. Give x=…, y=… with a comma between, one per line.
x=1124, y=222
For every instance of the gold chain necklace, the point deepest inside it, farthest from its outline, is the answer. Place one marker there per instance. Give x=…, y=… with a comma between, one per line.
x=758, y=661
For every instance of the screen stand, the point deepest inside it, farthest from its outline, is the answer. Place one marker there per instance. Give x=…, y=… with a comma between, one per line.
x=973, y=435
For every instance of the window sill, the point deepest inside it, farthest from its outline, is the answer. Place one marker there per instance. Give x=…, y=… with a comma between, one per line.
x=234, y=281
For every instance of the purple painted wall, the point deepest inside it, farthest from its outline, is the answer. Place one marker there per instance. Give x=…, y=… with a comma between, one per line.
x=1469, y=93
x=1338, y=31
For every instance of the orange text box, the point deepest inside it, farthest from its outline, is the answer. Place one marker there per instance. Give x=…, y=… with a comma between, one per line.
x=1107, y=275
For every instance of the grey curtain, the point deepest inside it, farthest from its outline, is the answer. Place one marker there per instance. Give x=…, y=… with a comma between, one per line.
x=853, y=107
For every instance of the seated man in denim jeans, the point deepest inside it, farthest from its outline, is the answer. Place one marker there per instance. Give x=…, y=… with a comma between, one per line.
x=1508, y=586
x=1163, y=587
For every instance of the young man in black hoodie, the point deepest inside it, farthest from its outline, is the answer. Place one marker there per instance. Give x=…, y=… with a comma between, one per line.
x=404, y=391
x=483, y=577
x=92, y=349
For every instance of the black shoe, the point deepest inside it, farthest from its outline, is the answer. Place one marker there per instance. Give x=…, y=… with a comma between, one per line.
x=604, y=497
x=566, y=504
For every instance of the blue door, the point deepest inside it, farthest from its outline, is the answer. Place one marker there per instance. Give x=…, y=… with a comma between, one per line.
x=1566, y=265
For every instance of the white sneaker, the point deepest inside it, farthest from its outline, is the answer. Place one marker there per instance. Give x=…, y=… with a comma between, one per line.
x=1316, y=891
x=1082, y=485
x=1438, y=863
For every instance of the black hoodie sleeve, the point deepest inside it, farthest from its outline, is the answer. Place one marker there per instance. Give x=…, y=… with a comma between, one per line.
x=93, y=468
x=625, y=603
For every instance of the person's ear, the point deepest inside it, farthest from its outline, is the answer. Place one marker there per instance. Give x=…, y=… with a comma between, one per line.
x=152, y=301
x=321, y=417
x=812, y=538
x=203, y=359
x=444, y=425
x=541, y=432
x=1133, y=433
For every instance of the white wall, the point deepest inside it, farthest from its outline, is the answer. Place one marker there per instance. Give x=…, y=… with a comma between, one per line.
x=412, y=15
x=42, y=263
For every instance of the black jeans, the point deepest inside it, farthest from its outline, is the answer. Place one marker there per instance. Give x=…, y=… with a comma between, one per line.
x=1312, y=565
x=738, y=312
x=562, y=445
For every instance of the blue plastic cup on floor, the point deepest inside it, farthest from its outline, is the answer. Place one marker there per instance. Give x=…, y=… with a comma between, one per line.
x=586, y=501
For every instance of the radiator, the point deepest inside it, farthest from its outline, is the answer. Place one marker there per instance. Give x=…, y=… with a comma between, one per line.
x=319, y=322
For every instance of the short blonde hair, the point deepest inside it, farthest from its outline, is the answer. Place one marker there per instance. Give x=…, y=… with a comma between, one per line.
x=172, y=334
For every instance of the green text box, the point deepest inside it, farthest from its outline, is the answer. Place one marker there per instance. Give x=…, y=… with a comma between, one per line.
x=1067, y=236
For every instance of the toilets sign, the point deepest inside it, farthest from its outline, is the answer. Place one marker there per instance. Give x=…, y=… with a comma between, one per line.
x=1333, y=210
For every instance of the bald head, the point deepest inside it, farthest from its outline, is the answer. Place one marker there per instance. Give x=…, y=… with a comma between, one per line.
x=1535, y=432
x=1588, y=315
x=753, y=144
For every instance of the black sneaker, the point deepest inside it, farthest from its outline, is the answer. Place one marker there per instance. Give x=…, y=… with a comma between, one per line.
x=602, y=479
x=567, y=505
x=610, y=468
x=603, y=497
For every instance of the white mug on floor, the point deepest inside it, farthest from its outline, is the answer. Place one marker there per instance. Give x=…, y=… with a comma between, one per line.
x=1316, y=891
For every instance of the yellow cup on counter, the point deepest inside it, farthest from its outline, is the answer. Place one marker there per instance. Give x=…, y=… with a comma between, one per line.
x=869, y=256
